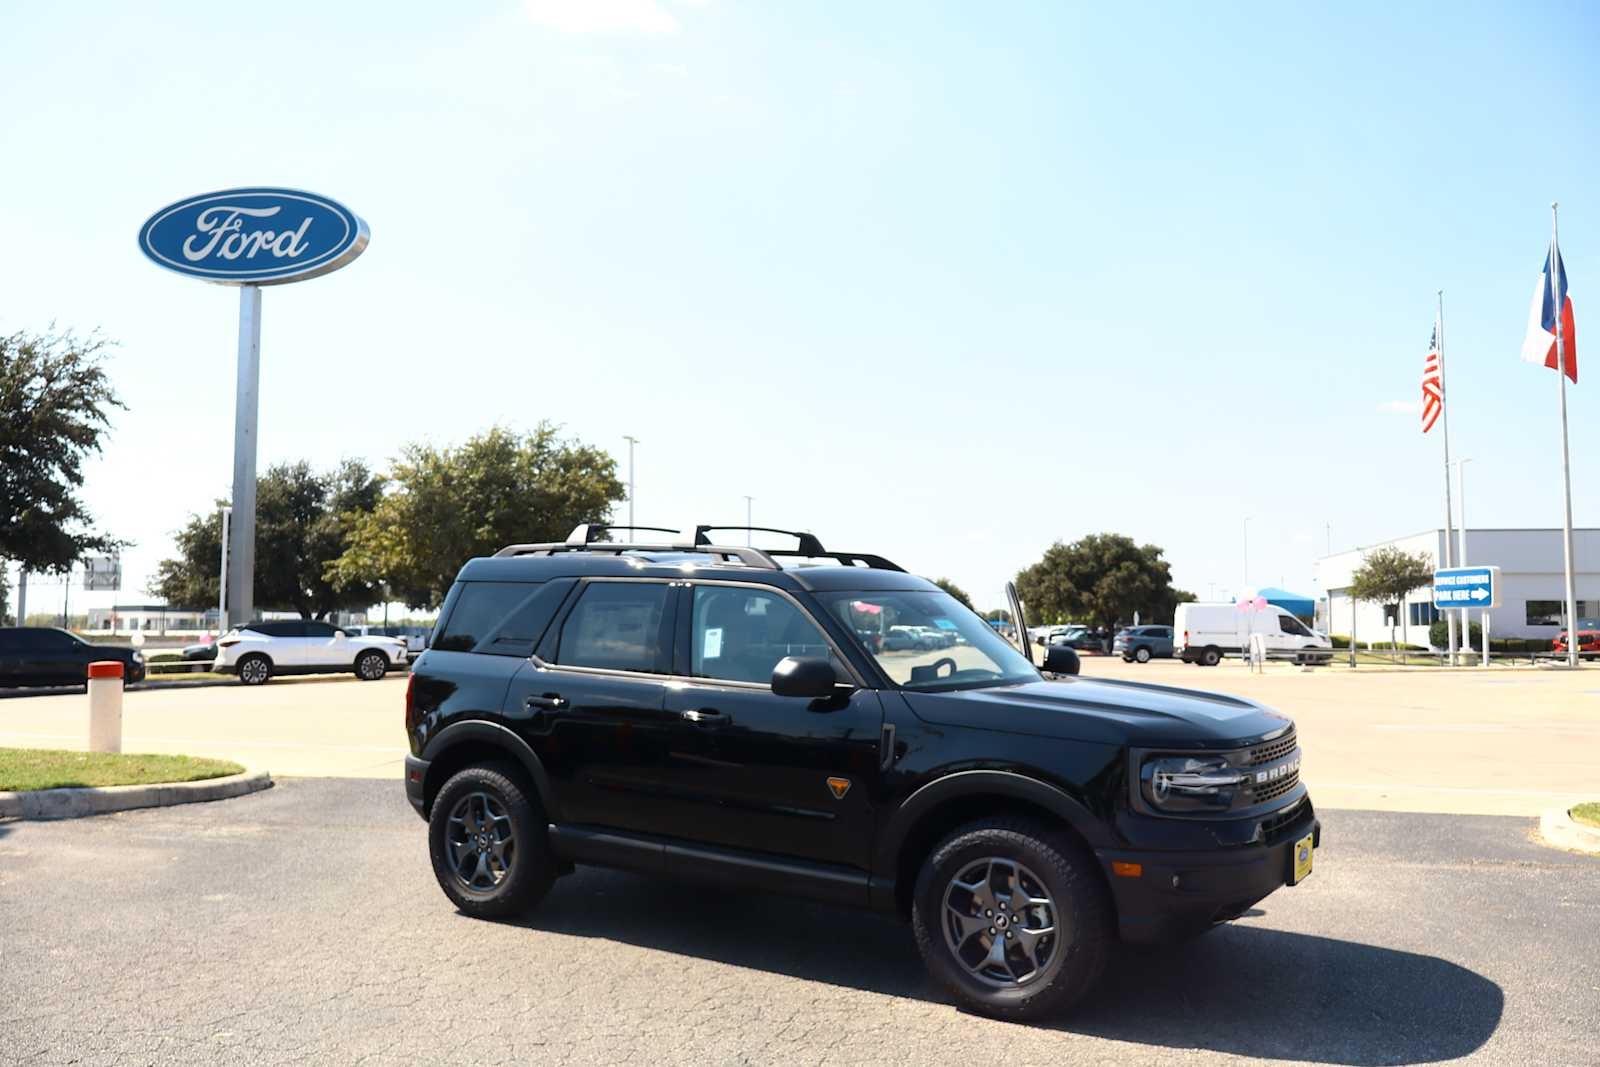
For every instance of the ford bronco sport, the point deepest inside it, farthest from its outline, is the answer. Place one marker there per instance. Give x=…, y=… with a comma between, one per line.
x=732, y=714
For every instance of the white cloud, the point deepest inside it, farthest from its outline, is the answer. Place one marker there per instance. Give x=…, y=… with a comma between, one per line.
x=675, y=70
x=601, y=16
x=1400, y=407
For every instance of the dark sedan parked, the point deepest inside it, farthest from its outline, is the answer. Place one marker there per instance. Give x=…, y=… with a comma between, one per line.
x=43, y=655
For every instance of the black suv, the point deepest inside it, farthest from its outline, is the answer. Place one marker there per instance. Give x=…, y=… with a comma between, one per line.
x=726, y=714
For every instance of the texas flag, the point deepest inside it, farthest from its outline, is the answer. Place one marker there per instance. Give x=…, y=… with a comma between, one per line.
x=1539, y=346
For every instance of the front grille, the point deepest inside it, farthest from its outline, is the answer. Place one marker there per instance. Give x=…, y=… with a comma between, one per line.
x=1274, y=790
x=1273, y=750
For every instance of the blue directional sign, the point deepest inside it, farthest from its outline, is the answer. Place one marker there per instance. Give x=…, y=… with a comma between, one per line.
x=255, y=236
x=1466, y=587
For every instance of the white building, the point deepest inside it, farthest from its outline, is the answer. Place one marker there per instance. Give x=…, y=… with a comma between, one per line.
x=1532, y=583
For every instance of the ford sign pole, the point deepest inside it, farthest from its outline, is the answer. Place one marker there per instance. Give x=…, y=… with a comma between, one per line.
x=250, y=238
x=242, y=529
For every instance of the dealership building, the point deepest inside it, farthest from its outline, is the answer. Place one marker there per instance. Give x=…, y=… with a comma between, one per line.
x=1532, y=583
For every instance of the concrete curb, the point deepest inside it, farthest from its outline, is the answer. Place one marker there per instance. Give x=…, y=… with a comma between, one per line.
x=1560, y=829
x=76, y=803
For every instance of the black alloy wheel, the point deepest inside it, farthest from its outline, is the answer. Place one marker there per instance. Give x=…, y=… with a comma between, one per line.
x=1013, y=918
x=488, y=842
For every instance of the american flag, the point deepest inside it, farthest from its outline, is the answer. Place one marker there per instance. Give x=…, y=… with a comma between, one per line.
x=1432, y=384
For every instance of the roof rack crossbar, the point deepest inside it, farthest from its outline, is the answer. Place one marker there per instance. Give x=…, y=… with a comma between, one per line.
x=849, y=559
x=808, y=543
x=750, y=557
x=586, y=533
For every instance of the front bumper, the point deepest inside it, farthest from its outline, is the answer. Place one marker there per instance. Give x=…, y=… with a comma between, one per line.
x=1179, y=893
x=416, y=774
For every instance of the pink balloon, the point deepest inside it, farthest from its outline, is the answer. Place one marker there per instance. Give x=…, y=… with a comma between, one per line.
x=1261, y=603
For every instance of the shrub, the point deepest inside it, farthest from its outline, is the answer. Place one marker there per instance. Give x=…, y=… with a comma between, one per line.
x=1439, y=635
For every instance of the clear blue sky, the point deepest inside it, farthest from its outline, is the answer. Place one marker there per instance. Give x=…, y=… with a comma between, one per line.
x=944, y=281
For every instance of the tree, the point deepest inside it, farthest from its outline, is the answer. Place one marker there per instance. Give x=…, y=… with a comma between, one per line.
x=1102, y=578
x=55, y=401
x=304, y=522
x=954, y=590
x=441, y=507
x=1387, y=576
x=997, y=615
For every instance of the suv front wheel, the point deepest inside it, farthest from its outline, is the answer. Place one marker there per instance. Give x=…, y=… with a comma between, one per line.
x=1012, y=918
x=488, y=843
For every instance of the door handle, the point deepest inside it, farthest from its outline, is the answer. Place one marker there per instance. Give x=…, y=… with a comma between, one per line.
x=706, y=717
x=550, y=702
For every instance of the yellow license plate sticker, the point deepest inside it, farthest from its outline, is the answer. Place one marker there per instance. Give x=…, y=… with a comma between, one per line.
x=1302, y=859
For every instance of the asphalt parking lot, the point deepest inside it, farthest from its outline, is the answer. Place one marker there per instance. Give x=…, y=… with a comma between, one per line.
x=303, y=925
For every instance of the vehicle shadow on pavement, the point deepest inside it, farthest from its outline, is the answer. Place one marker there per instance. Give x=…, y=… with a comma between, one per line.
x=1239, y=989
x=1256, y=992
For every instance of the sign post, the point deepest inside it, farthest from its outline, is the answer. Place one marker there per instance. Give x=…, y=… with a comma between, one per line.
x=250, y=238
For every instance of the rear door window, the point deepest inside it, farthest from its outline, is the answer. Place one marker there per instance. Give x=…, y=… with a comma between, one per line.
x=617, y=626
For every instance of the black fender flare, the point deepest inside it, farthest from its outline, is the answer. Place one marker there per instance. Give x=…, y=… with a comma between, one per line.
x=494, y=734
x=984, y=783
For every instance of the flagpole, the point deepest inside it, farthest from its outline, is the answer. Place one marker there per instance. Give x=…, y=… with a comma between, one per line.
x=1444, y=415
x=1566, y=462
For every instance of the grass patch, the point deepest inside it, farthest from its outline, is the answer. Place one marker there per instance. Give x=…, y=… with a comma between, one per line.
x=1588, y=814
x=26, y=769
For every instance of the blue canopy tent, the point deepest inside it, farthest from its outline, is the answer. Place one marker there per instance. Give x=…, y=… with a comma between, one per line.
x=1293, y=603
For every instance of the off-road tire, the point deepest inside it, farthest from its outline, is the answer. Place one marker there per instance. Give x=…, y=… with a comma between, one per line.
x=531, y=869
x=1083, y=916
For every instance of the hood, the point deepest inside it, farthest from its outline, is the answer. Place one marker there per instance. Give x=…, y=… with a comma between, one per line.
x=1105, y=712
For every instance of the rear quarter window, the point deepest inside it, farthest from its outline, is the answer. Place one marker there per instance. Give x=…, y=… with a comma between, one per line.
x=500, y=618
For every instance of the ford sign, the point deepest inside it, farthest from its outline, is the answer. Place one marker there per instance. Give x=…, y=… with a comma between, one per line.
x=254, y=236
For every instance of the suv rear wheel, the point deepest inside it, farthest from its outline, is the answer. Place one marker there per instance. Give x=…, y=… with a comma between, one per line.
x=254, y=669
x=488, y=843
x=1012, y=918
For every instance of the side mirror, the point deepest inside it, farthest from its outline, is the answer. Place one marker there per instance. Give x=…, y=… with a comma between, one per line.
x=1060, y=659
x=803, y=676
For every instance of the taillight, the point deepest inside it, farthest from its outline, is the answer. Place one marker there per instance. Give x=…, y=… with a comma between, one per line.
x=411, y=684
x=1186, y=637
x=227, y=642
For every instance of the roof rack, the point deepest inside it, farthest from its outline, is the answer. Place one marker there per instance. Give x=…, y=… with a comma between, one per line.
x=808, y=546
x=584, y=538
x=587, y=533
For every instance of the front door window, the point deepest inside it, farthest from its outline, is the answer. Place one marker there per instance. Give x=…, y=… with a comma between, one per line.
x=740, y=634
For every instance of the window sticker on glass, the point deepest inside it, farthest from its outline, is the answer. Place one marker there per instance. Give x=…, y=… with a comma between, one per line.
x=944, y=624
x=713, y=646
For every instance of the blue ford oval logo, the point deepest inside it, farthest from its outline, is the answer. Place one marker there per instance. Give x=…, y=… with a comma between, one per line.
x=254, y=236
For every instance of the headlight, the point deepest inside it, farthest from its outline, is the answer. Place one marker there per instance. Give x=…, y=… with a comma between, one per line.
x=138, y=657
x=1191, y=783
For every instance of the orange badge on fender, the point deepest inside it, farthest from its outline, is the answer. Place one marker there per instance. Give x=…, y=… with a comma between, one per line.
x=839, y=786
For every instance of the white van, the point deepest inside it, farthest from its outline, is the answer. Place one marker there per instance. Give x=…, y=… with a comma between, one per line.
x=1203, y=633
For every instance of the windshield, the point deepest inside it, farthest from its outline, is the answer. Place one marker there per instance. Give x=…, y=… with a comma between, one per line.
x=929, y=640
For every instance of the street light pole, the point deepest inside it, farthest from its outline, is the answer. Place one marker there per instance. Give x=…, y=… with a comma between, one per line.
x=1461, y=548
x=747, y=501
x=632, y=440
x=222, y=586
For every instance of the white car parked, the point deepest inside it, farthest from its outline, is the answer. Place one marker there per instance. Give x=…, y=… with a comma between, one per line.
x=301, y=646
